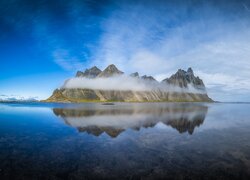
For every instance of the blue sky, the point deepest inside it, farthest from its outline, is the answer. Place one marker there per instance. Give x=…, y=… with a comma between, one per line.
x=42, y=43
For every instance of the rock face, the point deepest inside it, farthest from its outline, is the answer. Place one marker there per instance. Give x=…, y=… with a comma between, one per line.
x=89, y=73
x=148, y=78
x=110, y=71
x=136, y=74
x=184, y=117
x=183, y=79
x=181, y=86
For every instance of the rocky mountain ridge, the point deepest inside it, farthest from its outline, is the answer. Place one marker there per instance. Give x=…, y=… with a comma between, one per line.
x=181, y=86
x=184, y=117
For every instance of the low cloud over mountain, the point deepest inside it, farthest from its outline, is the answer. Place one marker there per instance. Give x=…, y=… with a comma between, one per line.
x=111, y=84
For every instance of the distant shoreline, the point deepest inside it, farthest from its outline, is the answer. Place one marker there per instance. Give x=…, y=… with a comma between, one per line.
x=104, y=102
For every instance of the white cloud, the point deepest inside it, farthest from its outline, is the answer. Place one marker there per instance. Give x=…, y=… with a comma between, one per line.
x=114, y=83
x=159, y=38
x=64, y=59
x=124, y=83
x=147, y=62
x=215, y=46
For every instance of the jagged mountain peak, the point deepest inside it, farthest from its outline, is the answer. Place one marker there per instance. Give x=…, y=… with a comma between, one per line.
x=79, y=74
x=148, y=78
x=135, y=74
x=94, y=68
x=109, y=71
x=89, y=73
x=183, y=72
x=189, y=88
x=190, y=70
x=184, y=78
x=112, y=68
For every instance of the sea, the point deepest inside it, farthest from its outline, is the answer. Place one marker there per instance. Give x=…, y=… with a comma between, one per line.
x=61, y=141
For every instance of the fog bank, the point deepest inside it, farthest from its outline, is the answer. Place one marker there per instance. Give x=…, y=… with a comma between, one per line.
x=125, y=83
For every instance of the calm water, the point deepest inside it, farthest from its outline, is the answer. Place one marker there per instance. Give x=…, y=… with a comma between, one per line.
x=124, y=141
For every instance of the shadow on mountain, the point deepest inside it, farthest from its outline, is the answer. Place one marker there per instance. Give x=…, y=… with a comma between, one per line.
x=184, y=117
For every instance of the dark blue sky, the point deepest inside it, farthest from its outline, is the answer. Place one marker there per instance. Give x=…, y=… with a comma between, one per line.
x=44, y=42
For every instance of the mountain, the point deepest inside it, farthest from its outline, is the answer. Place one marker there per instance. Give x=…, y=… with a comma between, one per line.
x=111, y=84
x=136, y=74
x=89, y=73
x=184, y=117
x=16, y=99
x=148, y=78
x=110, y=71
x=184, y=78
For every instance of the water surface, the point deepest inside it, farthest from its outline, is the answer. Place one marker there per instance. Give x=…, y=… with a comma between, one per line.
x=124, y=141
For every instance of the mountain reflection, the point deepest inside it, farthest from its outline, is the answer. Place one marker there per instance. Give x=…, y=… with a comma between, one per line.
x=184, y=117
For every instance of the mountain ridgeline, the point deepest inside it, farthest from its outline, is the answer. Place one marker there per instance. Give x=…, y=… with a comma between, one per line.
x=183, y=86
x=184, y=117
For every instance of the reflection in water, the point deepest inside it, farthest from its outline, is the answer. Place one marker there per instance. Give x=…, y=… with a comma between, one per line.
x=113, y=120
x=35, y=145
